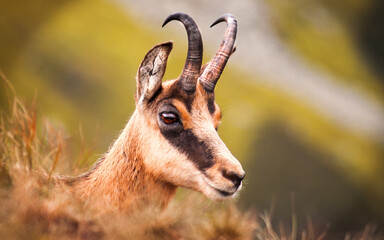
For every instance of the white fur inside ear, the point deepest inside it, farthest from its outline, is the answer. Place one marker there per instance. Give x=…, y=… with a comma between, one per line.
x=151, y=71
x=154, y=81
x=155, y=73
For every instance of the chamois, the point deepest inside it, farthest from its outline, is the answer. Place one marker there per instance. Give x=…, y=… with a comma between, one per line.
x=171, y=139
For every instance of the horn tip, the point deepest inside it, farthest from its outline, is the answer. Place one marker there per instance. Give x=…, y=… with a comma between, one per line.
x=174, y=16
x=219, y=20
x=167, y=20
x=224, y=18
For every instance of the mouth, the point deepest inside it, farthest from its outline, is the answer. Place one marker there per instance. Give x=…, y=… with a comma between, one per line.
x=225, y=193
x=221, y=192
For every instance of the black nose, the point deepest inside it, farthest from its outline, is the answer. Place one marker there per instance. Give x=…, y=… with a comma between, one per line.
x=235, y=177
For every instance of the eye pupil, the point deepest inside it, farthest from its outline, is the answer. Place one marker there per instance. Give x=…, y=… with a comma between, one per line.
x=169, y=118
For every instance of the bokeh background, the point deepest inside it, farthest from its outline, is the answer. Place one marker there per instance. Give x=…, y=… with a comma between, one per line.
x=302, y=97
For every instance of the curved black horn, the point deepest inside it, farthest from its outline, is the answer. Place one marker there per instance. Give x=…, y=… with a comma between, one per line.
x=194, y=59
x=215, y=67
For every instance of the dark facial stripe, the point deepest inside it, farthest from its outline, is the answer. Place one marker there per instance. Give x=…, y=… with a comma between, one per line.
x=211, y=105
x=188, y=143
x=184, y=96
x=155, y=95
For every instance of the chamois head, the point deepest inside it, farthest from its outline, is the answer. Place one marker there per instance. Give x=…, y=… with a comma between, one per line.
x=178, y=119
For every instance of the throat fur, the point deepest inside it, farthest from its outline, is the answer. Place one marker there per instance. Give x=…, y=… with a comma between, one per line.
x=120, y=181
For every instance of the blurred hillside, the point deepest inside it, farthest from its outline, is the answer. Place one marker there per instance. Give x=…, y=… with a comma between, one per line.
x=302, y=97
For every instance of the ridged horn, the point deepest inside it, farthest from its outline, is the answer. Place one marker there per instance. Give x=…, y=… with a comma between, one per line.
x=191, y=70
x=215, y=67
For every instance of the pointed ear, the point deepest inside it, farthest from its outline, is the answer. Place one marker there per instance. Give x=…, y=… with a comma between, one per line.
x=151, y=71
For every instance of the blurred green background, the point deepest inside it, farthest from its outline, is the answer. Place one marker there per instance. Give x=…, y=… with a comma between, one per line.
x=303, y=97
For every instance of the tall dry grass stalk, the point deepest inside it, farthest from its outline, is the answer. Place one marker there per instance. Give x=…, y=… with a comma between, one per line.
x=22, y=146
x=35, y=206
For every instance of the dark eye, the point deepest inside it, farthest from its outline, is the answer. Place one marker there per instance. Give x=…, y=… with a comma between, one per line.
x=169, y=117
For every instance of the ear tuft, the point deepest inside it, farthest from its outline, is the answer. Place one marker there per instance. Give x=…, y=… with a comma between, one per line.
x=151, y=71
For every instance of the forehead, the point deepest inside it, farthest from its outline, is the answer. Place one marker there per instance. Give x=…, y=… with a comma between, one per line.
x=199, y=99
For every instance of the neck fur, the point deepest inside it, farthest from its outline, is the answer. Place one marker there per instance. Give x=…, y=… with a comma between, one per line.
x=120, y=180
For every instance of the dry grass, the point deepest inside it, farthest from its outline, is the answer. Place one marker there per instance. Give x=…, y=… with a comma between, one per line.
x=33, y=206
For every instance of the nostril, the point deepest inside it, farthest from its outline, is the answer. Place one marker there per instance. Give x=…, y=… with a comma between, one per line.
x=235, y=177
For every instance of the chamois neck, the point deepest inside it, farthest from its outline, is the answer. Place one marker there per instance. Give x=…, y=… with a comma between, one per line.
x=120, y=179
